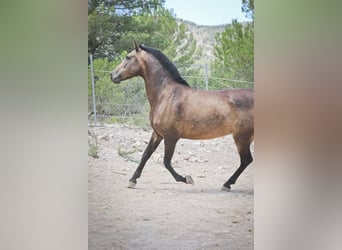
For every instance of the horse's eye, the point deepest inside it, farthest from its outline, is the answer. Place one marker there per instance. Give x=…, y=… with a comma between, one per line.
x=127, y=58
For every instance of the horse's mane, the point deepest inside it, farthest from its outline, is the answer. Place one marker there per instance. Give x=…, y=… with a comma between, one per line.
x=167, y=64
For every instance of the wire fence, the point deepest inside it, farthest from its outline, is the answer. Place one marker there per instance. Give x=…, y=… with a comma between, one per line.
x=127, y=102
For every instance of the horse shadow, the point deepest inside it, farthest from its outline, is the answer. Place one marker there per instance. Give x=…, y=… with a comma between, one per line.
x=208, y=190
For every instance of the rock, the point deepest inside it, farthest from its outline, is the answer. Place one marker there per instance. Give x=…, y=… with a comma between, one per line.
x=199, y=143
x=190, y=153
x=104, y=137
x=186, y=158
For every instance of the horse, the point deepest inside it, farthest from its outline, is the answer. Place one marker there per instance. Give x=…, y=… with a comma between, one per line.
x=180, y=111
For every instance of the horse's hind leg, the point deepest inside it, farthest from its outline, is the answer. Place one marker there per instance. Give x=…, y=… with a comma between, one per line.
x=243, y=144
x=170, y=144
x=151, y=147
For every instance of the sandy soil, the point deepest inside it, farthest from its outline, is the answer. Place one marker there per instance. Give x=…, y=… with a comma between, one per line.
x=161, y=213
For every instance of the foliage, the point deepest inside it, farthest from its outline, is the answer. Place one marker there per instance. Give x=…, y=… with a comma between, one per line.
x=93, y=148
x=115, y=24
x=146, y=22
x=110, y=20
x=248, y=8
x=234, y=52
x=152, y=29
x=183, y=51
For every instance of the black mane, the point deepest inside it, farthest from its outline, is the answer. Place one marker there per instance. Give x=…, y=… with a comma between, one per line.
x=167, y=64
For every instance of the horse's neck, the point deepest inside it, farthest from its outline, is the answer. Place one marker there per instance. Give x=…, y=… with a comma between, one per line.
x=155, y=79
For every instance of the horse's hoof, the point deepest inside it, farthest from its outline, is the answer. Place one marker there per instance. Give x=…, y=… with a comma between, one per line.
x=226, y=189
x=131, y=184
x=189, y=180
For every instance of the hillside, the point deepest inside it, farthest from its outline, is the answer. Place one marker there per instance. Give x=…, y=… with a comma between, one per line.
x=205, y=37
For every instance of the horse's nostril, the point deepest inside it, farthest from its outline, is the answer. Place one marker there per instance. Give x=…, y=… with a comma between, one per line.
x=116, y=79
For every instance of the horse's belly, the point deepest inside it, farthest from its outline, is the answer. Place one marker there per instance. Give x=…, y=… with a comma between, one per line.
x=202, y=132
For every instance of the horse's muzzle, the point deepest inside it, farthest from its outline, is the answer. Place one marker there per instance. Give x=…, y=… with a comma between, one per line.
x=115, y=79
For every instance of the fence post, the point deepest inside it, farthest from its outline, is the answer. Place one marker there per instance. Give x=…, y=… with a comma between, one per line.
x=206, y=76
x=93, y=87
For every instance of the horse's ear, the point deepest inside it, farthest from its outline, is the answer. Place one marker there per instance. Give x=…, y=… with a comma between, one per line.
x=136, y=46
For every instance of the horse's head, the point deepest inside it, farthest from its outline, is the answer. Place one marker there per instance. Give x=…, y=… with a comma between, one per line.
x=128, y=68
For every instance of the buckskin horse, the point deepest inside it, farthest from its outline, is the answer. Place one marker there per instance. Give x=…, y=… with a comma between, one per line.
x=179, y=111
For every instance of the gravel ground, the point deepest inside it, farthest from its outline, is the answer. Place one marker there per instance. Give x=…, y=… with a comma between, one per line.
x=161, y=213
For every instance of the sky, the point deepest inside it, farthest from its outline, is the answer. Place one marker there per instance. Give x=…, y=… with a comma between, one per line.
x=207, y=12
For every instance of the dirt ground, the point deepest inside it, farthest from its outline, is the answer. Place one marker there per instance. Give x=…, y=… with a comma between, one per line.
x=161, y=213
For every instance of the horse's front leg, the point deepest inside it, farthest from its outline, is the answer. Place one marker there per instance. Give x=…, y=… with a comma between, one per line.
x=170, y=144
x=151, y=147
